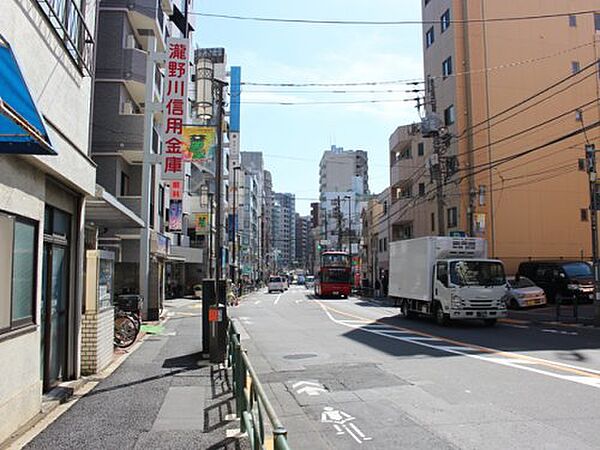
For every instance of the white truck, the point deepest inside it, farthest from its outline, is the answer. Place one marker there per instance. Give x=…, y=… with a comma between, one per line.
x=448, y=278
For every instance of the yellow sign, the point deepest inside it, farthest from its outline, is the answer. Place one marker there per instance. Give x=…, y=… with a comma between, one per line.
x=199, y=143
x=201, y=223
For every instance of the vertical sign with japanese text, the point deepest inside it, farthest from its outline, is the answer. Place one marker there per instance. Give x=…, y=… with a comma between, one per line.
x=175, y=101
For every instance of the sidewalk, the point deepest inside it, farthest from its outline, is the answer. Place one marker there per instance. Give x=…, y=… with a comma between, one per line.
x=164, y=396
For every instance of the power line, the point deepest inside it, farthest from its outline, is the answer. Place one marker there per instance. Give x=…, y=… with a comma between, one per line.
x=386, y=22
x=328, y=102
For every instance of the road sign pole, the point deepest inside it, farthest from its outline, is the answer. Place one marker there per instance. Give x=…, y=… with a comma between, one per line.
x=590, y=153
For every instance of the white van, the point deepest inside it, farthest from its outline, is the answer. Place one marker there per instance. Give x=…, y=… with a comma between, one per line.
x=276, y=283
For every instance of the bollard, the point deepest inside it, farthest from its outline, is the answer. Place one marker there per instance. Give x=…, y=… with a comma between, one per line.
x=208, y=299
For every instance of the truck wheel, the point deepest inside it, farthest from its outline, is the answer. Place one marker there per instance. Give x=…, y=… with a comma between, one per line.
x=405, y=310
x=440, y=317
x=489, y=322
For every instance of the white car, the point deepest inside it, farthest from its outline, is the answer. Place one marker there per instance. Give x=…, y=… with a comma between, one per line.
x=524, y=293
x=276, y=284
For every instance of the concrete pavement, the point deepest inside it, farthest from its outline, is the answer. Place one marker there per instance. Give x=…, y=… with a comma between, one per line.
x=164, y=396
x=352, y=373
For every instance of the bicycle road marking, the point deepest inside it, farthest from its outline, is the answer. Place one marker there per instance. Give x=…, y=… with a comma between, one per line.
x=580, y=375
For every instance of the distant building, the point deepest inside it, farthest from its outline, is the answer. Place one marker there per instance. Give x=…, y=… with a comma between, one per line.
x=339, y=168
x=267, y=220
x=283, y=228
x=303, y=240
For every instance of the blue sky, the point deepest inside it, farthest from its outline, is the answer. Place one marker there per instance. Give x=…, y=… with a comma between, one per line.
x=293, y=138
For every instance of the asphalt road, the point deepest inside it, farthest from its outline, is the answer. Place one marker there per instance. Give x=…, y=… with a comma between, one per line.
x=354, y=374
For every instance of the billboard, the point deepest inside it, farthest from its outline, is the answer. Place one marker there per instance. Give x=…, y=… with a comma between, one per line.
x=199, y=143
x=201, y=223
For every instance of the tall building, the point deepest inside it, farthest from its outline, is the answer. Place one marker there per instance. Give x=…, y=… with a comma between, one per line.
x=253, y=164
x=283, y=230
x=303, y=241
x=118, y=149
x=339, y=168
x=46, y=179
x=267, y=221
x=510, y=93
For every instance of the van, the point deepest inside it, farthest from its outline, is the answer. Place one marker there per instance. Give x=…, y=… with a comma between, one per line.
x=276, y=283
x=561, y=280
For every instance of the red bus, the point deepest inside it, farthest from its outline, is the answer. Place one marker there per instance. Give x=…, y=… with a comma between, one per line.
x=334, y=277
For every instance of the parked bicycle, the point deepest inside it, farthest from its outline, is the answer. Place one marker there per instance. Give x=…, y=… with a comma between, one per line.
x=128, y=319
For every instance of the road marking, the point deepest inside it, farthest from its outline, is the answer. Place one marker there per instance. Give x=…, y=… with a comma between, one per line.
x=342, y=424
x=568, y=333
x=278, y=297
x=308, y=387
x=584, y=376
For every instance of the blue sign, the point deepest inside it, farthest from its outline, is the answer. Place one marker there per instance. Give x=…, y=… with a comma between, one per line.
x=235, y=94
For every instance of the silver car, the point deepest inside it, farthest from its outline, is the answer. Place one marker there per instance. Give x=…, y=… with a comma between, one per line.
x=523, y=293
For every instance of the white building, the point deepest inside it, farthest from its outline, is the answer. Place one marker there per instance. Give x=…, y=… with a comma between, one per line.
x=42, y=200
x=338, y=169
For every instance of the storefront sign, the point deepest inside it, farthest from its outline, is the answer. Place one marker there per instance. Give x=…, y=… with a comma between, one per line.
x=201, y=223
x=199, y=143
x=176, y=190
x=175, y=107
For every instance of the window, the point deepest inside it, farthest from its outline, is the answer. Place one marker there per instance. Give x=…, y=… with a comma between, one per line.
x=452, y=217
x=442, y=273
x=18, y=271
x=124, y=184
x=420, y=149
x=447, y=67
x=421, y=189
x=406, y=191
x=406, y=153
x=449, y=115
x=572, y=20
x=584, y=214
x=581, y=164
x=385, y=244
x=597, y=21
x=429, y=37
x=445, y=20
x=575, y=67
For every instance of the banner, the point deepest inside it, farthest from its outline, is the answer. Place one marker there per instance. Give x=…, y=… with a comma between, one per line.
x=175, y=100
x=175, y=215
x=201, y=223
x=199, y=143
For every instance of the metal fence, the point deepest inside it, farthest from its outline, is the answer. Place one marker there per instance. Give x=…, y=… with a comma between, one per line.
x=251, y=402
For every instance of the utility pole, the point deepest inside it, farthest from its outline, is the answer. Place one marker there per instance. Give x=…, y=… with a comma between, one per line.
x=233, y=247
x=436, y=163
x=339, y=224
x=219, y=178
x=590, y=153
x=210, y=234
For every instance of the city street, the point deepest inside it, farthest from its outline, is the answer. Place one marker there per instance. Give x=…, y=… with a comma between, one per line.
x=351, y=373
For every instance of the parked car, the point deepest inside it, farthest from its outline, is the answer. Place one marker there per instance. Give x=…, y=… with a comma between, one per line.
x=561, y=280
x=276, y=283
x=523, y=292
x=309, y=282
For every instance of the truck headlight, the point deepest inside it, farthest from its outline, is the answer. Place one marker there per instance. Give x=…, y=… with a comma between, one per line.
x=456, y=301
x=572, y=287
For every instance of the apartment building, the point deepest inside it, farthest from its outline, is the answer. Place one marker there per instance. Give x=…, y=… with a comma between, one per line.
x=338, y=169
x=283, y=229
x=267, y=219
x=46, y=174
x=303, y=241
x=376, y=217
x=491, y=85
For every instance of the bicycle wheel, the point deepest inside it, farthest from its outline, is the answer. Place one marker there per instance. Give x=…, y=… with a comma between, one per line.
x=126, y=331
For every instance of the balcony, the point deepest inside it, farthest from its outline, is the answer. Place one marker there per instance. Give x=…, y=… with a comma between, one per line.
x=403, y=169
x=132, y=202
x=146, y=17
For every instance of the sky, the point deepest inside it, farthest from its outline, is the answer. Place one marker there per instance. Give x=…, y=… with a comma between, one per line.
x=293, y=138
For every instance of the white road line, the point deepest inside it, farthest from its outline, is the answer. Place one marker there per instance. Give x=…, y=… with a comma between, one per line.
x=278, y=297
x=464, y=351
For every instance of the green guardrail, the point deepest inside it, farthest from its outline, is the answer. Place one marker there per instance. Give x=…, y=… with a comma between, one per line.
x=251, y=400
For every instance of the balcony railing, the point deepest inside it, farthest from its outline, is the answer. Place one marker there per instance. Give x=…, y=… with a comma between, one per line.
x=70, y=28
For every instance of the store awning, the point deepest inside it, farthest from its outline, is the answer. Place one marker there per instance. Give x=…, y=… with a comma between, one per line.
x=22, y=129
x=107, y=211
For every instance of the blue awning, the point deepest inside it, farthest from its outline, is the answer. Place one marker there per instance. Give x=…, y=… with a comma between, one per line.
x=22, y=129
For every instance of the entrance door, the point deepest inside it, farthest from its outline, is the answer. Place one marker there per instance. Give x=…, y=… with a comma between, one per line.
x=55, y=300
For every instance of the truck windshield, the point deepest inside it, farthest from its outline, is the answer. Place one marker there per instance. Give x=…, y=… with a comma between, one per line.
x=477, y=273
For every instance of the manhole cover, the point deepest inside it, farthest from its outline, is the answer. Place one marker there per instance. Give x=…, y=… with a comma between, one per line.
x=300, y=356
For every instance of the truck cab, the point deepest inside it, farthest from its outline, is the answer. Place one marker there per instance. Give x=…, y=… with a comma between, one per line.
x=470, y=289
